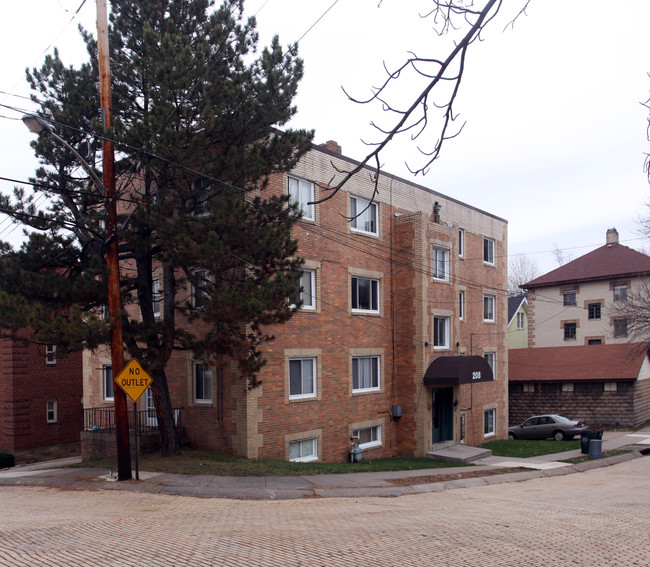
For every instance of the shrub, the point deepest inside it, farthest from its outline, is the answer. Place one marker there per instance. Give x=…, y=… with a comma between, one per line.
x=7, y=460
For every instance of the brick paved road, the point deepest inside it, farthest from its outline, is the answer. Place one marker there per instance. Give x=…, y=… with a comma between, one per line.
x=597, y=518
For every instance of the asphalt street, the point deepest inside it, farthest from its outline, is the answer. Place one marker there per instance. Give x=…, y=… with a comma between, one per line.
x=599, y=517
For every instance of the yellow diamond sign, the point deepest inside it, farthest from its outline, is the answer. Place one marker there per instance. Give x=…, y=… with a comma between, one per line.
x=133, y=380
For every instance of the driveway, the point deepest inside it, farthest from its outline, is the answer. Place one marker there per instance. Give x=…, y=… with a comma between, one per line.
x=598, y=517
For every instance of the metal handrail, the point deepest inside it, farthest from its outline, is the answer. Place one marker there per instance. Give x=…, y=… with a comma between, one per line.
x=103, y=419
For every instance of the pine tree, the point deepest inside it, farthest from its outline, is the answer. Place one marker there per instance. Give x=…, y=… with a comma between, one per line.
x=197, y=115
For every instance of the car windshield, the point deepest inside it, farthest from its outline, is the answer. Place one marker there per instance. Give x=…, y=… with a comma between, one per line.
x=561, y=418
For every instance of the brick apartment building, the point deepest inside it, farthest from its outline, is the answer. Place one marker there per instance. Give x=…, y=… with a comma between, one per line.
x=415, y=276
x=40, y=401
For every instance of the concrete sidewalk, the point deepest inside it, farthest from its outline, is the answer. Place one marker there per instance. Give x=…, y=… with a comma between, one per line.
x=327, y=486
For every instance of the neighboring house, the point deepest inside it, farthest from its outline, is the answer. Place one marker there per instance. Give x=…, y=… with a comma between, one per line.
x=602, y=384
x=580, y=360
x=399, y=344
x=517, y=322
x=576, y=304
x=40, y=401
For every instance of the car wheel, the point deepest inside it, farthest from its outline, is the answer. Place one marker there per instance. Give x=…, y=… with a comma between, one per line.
x=558, y=435
x=511, y=436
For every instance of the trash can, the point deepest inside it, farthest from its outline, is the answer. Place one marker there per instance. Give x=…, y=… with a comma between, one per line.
x=587, y=436
x=595, y=448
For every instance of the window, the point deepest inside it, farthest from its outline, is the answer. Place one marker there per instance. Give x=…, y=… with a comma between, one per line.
x=441, y=264
x=620, y=292
x=303, y=450
x=461, y=305
x=200, y=197
x=594, y=310
x=156, y=296
x=302, y=193
x=50, y=354
x=440, y=332
x=364, y=215
x=567, y=387
x=199, y=288
x=595, y=342
x=302, y=378
x=365, y=294
x=528, y=388
x=570, y=330
x=461, y=242
x=488, y=251
x=620, y=327
x=365, y=373
x=520, y=321
x=51, y=411
x=610, y=386
x=488, y=308
x=489, y=422
x=368, y=436
x=307, y=292
x=569, y=297
x=490, y=358
x=202, y=383
x=107, y=372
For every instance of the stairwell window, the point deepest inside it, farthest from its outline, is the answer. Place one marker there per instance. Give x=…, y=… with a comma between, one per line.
x=441, y=332
x=107, y=379
x=488, y=251
x=364, y=216
x=156, y=296
x=199, y=288
x=50, y=354
x=441, y=264
x=52, y=411
x=488, y=308
x=302, y=193
x=489, y=422
x=202, y=378
x=200, y=197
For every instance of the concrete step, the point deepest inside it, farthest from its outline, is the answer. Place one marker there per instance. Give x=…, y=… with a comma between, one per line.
x=459, y=454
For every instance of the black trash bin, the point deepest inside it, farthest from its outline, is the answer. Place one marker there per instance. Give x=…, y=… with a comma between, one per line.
x=586, y=436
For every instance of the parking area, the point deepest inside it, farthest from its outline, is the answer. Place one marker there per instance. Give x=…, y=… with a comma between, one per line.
x=599, y=517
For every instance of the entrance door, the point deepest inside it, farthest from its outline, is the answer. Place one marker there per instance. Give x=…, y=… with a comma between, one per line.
x=443, y=414
x=150, y=410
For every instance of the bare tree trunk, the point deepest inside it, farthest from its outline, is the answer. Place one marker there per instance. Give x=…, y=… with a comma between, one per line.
x=169, y=441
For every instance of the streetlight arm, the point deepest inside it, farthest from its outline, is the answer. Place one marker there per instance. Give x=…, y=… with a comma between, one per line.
x=40, y=127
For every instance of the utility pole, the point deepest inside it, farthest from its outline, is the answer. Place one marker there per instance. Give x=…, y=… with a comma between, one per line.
x=112, y=258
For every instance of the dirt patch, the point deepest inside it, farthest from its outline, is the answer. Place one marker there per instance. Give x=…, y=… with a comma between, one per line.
x=410, y=481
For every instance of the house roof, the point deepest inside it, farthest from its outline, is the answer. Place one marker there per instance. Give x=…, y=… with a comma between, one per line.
x=571, y=364
x=607, y=262
x=514, y=303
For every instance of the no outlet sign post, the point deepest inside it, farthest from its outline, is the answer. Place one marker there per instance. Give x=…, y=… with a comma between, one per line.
x=134, y=381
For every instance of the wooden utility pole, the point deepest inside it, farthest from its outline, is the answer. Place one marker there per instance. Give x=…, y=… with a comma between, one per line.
x=112, y=258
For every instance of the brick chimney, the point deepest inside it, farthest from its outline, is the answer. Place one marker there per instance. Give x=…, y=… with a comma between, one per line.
x=332, y=146
x=612, y=236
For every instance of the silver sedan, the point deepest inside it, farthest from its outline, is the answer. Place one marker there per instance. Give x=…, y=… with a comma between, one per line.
x=546, y=426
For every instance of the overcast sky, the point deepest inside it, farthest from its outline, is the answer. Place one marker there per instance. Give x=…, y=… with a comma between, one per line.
x=555, y=131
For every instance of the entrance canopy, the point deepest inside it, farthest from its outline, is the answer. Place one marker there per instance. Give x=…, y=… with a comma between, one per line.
x=452, y=370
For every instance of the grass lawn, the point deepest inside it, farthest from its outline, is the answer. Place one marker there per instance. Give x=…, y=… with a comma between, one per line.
x=524, y=449
x=210, y=463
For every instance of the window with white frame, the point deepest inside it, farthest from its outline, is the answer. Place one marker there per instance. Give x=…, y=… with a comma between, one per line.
x=107, y=379
x=488, y=308
x=202, y=378
x=302, y=378
x=567, y=387
x=303, y=450
x=199, y=288
x=610, y=386
x=461, y=305
x=440, y=263
x=365, y=294
x=489, y=422
x=461, y=242
x=200, y=197
x=51, y=411
x=368, y=436
x=528, y=388
x=620, y=292
x=156, y=296
x=520, y=321
x=488, y=251
x=365, y=373
x=364, y=215
x=302, y=193
x=490, y=358
x=50, y=354
x=307, y=292
x=441, y=333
